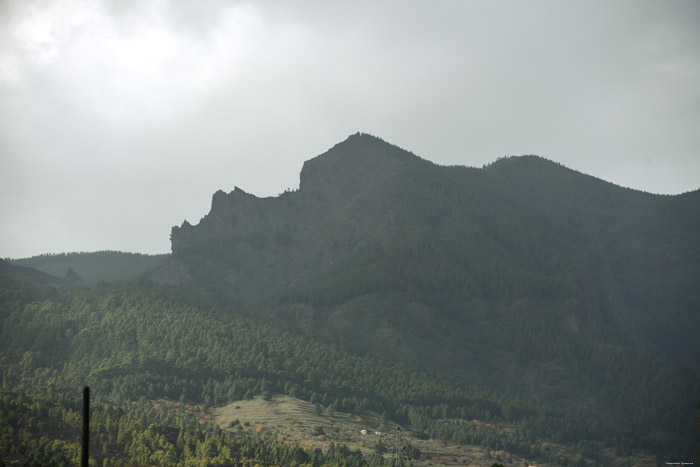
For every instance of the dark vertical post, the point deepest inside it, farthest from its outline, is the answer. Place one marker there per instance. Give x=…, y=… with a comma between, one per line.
x=399, y=452
x=85, y=455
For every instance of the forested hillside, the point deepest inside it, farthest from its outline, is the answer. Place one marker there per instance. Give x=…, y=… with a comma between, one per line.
x=525, y=277
x=132, y=344
x=139, y=342
x=371, y=218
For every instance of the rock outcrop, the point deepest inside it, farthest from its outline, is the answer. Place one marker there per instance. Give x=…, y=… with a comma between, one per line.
x=248, y=246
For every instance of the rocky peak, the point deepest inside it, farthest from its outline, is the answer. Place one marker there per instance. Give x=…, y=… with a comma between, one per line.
x=353, y=167
x=252, y=245
x=233, y=214
x=350, y=170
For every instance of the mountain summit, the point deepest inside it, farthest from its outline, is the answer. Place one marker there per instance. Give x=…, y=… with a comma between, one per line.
x=250, y=246
x=351, y=168
x=371, y=221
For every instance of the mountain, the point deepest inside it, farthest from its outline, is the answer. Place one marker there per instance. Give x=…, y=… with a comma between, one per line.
x=372, y=219
x=523, y=276
x=249, y=246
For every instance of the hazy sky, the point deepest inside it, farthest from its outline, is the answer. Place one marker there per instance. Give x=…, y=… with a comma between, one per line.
x=120, y=119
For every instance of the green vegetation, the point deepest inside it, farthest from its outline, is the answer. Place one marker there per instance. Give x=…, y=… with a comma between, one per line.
x=44, y=428
x=51, y=344
x=138, y=342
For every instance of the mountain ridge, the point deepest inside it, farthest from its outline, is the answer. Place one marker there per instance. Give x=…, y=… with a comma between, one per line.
x=246, y=225
x=366, y=210
x=529, y=278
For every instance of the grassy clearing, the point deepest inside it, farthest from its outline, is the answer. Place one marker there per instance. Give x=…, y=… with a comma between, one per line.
x=298, y=422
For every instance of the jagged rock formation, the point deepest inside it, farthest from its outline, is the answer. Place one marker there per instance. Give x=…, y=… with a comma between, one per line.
x=250, y=246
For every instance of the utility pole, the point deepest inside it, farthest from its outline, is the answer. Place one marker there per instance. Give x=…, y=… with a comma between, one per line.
x=399, y=448
x=400, y=456
x=85, y=454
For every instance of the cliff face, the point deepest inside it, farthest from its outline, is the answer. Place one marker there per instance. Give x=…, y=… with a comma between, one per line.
x=249, y=246
x=233, y=215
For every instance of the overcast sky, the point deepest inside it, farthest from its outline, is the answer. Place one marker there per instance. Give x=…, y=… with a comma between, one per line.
x=120, y=119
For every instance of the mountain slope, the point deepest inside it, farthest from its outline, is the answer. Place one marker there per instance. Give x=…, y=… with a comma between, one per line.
x=370, y=218
x=525, y=277
x=249, y=246
x=135, y=343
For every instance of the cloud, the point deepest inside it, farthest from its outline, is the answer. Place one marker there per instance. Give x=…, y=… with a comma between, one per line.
x=126, y=113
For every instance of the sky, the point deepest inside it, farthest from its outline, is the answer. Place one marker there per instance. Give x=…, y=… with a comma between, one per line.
x=120, y=118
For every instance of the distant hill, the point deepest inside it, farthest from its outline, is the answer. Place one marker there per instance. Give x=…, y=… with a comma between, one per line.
x=31, y=274
x=91, y=268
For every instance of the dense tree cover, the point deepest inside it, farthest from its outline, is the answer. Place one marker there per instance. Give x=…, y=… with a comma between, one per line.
x=534, y=280
x=139, y=341
x=43, y=428
x=534, y=343
x=530, y=279
x=624, y=262
x=507, y=232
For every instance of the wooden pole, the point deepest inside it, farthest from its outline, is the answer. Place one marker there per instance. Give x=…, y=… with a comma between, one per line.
x=85, y=454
